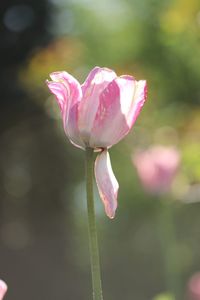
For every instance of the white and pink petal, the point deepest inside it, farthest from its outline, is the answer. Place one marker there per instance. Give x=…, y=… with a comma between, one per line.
x=106, y=183
x=68, y=94
x=60, y=93
x=110, y=124
x=139, y=99
x=119, y=106
x=97, y=80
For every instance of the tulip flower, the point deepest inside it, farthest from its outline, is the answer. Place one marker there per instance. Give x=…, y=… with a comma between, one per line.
x=157, y=167
x=96, y=115
x=3, y=289
x=194, y=287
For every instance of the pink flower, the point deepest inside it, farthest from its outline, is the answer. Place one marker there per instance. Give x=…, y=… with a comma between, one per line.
x=3, y=289
x=194, y=287
x=157, y=167
x=98, y=114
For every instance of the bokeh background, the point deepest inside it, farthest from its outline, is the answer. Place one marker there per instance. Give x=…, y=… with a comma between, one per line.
x=43, y=229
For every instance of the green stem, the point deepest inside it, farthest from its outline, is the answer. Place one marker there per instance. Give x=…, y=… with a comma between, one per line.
x=93, y=243
x=168, y=240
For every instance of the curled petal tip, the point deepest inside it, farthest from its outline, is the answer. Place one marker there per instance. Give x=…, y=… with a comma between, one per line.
x=57, y=89
x=106, y=183
x=110, y=215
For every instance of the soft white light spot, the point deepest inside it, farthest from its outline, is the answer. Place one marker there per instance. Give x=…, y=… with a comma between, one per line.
x=18, y=17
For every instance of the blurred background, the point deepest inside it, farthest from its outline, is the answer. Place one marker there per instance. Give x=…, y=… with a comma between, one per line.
x=43, y=229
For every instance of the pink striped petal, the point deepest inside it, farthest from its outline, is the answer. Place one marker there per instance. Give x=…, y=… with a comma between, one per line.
x=120, y=104
x=68, y=94
x=96, y=82
x=3, y=289
x=106, y=183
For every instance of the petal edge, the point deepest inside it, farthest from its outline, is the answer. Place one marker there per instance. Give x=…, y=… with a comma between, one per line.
x=107, y=183
x=69, y=95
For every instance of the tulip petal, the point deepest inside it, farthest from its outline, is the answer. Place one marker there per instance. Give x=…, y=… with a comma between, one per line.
x=59, y=91
x=137, y=102
x=68, y=94
x=96, y=82
x=119, y=106
x=106, y=183
x=3, y=289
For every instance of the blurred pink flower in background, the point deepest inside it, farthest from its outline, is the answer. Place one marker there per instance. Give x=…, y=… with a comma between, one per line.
x=157, y=167
x=98, y=114
x=194, y=287
x=3, y=289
